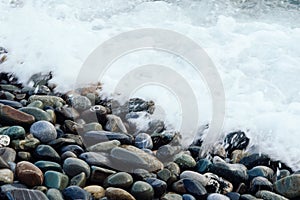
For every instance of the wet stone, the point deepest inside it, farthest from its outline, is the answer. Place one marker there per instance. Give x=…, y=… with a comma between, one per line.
x=247, y=197
x=94, y=126
x=73, y=148
x=29, y=174
x=167, y=152
x=260, y=183
x=66, y=113
x=75, y=192
x=171, y=196
x=188, y=197
x=116, y=194
x=164, y=138
x=142, y=174
x=104, y=146
x=54, y=194
x=27, y=144
x=68, y=154
x=11, y=116
x=48, y=165
x=143, y=141
x=203, y=165
x=261, y=171
x=13, y=104
x=142, y=191
x=237, y=155
x=167, y=176
x=255, y=160
x=47, y=100
x=267, y=195
x=81, y=103
x=137, y=105
x=173, y=167
x=44, y=131
x=79, y=180
x=283, y=173
x=97, y=159
x=120, y=180
x=159, y=186
x=236, y=140
x=216, y=196
x=98, y=174
x=46, y=152
x=4, y=140
x=38, y=113
x=6, y=176
x=115, y=124
x=185, y=161
x=36, y=104
x=191, y=186
x=57, y=180
x=194, y=175
x=74, y=166
x=288, y=186
x=21, y=193
x=96, y=191
x=8, y=154
x=233, y=195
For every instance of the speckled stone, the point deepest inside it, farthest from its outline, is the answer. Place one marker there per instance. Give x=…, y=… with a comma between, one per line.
x=74, y=166
x=120, y=180
x=185, y=161
x=288, y=186
x=6, y=176
x=44, y=131
x=142, y=191
x=47, y=100
x=15, y=132
x=267, y=195
x=117, y=194
x=96, y=191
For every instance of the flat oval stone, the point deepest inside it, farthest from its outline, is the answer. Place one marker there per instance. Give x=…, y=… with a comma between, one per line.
x=142, y=191
x=75, y=192
x=288, y=186
x=159, y=186
x=38, y=113
x=163, y=138
x=12, y=116
x=104, y=146
x=263, y=171
x=46, y=152
x=171, y=196
x=11, y=103
x=73, y=148
x=8, y=154
x=120, y=180
x=216, y=196
x=79, y=180
x=48, y=165
x=15, y=132
x=188, y=197
x=6, y=176
x=260, y=183
x=74, y=166
x=57, y=180
x=143, y=141
x=68, y=154
x=203, y=165
x=81, y=102
x=36, y=104
x=54, y=194
x=44, y=131
x=264, y=194
x=21, y=193
x=97, y=159
x=29, y=174
x=256, y=159
x=116, y=194
x=96, y=191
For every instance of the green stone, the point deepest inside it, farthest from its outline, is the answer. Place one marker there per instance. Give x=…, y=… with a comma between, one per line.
x=38, y=113
x=47, y=100
x=23, y=155
x=94, y=126
x=36, y=104
x=7, y=87
x=28, y=144
x=3, y=129
x=54, y=194
x=48, y=165
x=142, y=191
x=56, y=180
x=185, y=161
x=120, y=180
x=15, y=132
x=79, y=180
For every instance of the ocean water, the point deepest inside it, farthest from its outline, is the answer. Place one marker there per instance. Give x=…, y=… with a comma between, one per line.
x=253, y=44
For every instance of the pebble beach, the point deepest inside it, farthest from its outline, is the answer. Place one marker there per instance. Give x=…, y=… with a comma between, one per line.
x=73, y=146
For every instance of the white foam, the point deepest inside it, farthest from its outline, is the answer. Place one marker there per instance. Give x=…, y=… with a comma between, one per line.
x=256, y=52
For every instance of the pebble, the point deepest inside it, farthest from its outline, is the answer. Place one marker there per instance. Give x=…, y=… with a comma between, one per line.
x=142, y=191
x=29, y=174
x=115, y=124
x=233, y=195
x=81, y=103
x=74, y=192
x=188, y=197
x=11, y=103
x=44, y=131
x=6, y=176
x=54, y=194
x=267, y=195
x=185, y=161
x=23, y=155
x=99, y=174
x=237, y=155
x=171, y=196
x=118, y=194
x=79, y=180
x=167, y=152
x=36, y=104
x=236, y=140
x=48, y=165
x=73, y=148
x=263, y=171
x=8, y=154
x=167, y=176
x=46, y=152
x=22, y=193
x=288, y=186
x=256, y=159
x=143, y=141
x=4, y=140
x=11, y=116
x=104, y=146
x=159, y=186
x=247, y=197
x=74, y=166
x=120, y=180
x=57, y=180
x=190, y=186
x=216, y=196
x=38, y=113
x=96, y=191
x=194, y=175
x=15, y=132
x=260, y=183
x=97, y=159
x=163, y=138
x=203, y=165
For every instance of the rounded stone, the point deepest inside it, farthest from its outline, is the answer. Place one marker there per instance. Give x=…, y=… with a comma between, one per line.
x=81, y=103
x=194, y=175
x=260, y=183
x=46, y=152
x=120, y=180
x=142, y=191
x=96, y=191
x=6, y=176
x=48, y=165
x=143, y=141
x=116, y=194
x=216, y=196
x=38, y=113
x=15, y=132
x=44, y=131
x=203, y=165
x=75, y=192
x=159, y=186
x=54, y=179
x=288, y=186
x=261, y=171
x=104, y=146
x=188, y=197
x=74, y=166
x=185, y=161
x=171, y=196
x=54, y=194
x=79, y=180
x=29, y=174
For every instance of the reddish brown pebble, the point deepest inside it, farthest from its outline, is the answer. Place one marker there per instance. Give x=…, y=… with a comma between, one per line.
x=29, y=174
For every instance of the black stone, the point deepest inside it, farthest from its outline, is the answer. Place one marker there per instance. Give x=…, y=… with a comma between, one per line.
x=236, y=140
x=74, y=192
